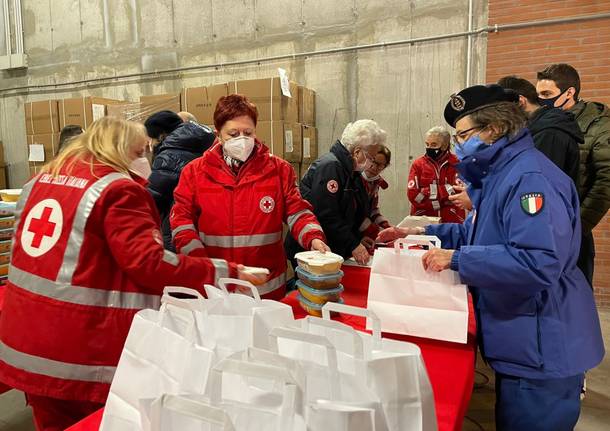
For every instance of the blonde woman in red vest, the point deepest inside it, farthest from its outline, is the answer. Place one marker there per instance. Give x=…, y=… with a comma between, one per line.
x=87, y=255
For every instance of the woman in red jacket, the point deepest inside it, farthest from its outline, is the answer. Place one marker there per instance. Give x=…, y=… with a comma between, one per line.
x=87, y=255
x=231, y=203
x=432, y=178
x=373, y=181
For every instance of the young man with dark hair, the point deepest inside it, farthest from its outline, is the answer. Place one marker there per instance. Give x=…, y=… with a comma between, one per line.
x=556, y=134
x=559, y=86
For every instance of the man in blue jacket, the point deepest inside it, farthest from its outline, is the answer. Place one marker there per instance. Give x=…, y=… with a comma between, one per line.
x=538, y=327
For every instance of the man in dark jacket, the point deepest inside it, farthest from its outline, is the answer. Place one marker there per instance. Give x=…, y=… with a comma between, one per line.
x=334, y=188
x=556, y=133
x=185, y=143
x=559, y=86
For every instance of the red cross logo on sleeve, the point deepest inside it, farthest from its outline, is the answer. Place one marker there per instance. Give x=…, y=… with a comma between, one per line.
x=42, y=227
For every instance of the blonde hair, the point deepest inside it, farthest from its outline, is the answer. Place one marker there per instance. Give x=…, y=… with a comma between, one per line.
x=107, y=142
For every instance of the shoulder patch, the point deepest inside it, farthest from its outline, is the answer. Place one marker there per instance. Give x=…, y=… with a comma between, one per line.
x=532, y=203
x=332, y=186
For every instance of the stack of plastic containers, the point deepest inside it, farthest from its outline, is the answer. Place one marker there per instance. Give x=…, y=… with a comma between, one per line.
x=7, y=222
x=319, y=281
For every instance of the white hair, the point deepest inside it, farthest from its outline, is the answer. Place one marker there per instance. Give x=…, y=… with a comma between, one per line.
x=439, y=131
x=363, y=133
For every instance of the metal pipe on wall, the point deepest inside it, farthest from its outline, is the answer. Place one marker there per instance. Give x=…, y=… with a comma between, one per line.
x=470, y=43
x=159, y=73
x=18, y=27
x=7, y=27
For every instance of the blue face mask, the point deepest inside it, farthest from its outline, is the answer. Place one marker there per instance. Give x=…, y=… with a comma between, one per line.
x=469, y=147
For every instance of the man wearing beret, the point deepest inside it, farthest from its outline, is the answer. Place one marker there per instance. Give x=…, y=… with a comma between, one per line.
x=538, y=327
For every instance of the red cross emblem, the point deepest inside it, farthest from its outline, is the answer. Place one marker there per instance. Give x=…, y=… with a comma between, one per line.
x=267, y=204
x=42, y=227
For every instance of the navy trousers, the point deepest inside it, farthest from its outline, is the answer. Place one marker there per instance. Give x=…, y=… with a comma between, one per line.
x=540, y=405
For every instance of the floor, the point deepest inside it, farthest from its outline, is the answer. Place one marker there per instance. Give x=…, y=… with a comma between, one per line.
x=595, y=414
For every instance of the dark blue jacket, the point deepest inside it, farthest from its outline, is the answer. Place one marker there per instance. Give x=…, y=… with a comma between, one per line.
x=536, y=313
x=183, y=145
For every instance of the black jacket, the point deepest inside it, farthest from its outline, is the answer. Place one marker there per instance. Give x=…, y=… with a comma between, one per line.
x=183, y=145
x=339, y=200
x=557, y=135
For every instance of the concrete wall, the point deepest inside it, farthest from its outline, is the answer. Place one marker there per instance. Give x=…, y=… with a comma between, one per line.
x=404, y=88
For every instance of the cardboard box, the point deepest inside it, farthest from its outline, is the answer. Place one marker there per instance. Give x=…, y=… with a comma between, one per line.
x=129, y=111
x=266, y=94
x=310, y=144
x=2, y=154
x=293, y=142
x=83, y=111
x=271, y=134
x=307, y=106
x=50, y=142
x=201, y=101
x=3, y=178
x=161, y=102
x=41, y=117
x=283, y=139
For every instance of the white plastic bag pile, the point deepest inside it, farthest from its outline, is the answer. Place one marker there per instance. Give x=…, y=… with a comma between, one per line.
x=235, y=362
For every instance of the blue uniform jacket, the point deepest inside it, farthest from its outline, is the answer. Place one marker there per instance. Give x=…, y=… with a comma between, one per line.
x=536, y=313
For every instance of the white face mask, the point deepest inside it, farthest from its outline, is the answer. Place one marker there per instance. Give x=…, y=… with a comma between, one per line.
x=239, y=148
x=370, y=179
x=361, y=166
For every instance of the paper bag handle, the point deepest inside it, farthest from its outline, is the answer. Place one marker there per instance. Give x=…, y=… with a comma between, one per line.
x=355, y=311
x=188, y=304
x=338, y=326
x=305, y=337
x=429, y=240
x=199, y=410
x=222, y=284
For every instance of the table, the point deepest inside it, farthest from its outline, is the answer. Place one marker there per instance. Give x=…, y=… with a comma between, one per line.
x=450, y=365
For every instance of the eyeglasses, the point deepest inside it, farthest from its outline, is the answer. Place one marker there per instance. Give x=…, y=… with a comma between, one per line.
x=375, y=163
x=460, y=137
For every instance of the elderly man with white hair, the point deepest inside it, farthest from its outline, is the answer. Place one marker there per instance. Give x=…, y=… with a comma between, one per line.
x=433, y=179
x=335, y=190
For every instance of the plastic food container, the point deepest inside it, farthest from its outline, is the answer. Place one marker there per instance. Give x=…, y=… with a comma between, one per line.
x=7, y=222
x=314, y=309
x=319, y=263
x=329, y=281
x=319, y=296
x=10, y=195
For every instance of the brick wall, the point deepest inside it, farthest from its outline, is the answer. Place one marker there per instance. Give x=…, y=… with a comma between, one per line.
x=584, y=45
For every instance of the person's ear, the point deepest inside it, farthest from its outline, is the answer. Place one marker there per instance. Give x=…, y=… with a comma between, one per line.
x=570, y=93
x=522, y=102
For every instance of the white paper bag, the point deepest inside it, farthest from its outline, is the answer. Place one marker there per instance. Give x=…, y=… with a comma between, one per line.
x=393, y=370
x=328, y=415
x=155, y=361
x=185, y=413
x=242, y=321
x=412, y=301
x=256, y=396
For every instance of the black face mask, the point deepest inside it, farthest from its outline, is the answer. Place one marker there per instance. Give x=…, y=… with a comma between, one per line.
x=551, y=101
x=434, y=153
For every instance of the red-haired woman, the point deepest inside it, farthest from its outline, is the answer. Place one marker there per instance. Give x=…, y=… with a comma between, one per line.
x=234, y=200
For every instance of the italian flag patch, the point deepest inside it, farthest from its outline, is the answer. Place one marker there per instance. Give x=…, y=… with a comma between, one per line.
x=532, y=203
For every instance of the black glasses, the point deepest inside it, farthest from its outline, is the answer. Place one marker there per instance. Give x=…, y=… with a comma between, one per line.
x=460, y=137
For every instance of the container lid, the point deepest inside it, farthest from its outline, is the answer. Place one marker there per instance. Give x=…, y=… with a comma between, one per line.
x=313, y=305
x=320, y=292
x=316, y=277
x=317, y=258
x=11, y=191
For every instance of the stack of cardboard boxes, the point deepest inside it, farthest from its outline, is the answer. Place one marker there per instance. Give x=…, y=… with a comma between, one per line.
x=3, y=179
x=42, y=128
x=286, y=125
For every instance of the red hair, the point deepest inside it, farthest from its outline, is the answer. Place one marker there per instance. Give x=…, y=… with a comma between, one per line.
x=232, y=106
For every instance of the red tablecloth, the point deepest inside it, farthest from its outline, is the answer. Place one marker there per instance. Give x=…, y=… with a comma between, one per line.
x=450, y=365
